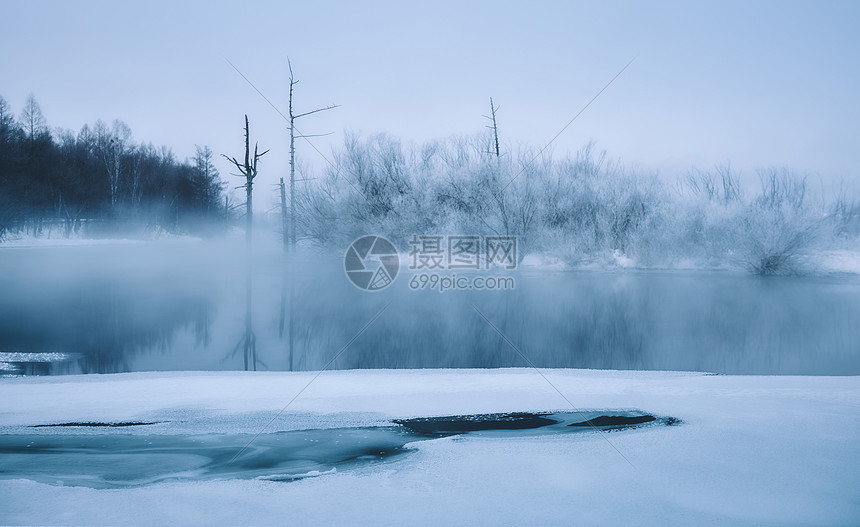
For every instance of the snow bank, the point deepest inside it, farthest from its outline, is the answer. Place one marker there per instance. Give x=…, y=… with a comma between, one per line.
x=839, y=261
x=31, y=241
x=27, y=240
x=752, y=450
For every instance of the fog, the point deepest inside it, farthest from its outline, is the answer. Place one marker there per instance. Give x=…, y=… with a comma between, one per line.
x=181, y=305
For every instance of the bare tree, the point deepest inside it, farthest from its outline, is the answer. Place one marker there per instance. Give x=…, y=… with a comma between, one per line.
x=494, y=128
x=32, y=120
x=120, y=137
x=70, y=214
x=207, y=181
x=494, y=183
x=293, y=136
x=518, y=212
x=7, y=122
x=248, y=170
x=289, y=237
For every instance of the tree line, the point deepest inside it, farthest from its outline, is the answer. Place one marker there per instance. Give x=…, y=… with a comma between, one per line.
x=583, y=208
x=98, y=178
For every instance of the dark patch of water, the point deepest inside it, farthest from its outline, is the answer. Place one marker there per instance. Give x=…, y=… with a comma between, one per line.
x=117, y=460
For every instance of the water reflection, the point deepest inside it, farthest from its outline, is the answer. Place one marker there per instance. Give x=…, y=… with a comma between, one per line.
x=174, y=306
x=94, y=308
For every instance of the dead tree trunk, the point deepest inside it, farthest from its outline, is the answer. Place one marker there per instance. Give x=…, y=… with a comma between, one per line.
x=284, y=222
x=292, y=166
x=494, y=128
x=286, y=241
x=248, y=170
x=498, y=196
x=290, y=239
x=292, y=118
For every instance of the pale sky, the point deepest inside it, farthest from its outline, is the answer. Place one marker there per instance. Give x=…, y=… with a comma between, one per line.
x=752, y=83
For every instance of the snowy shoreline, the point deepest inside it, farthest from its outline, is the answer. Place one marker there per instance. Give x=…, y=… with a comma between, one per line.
x=833, y=261
x=753, y=450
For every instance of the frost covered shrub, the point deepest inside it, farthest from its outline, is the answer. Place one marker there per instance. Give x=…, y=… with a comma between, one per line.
x=773, y=240
x=779, y=226
x=591, y=210
x=767, y=233
x=844, y=215
x=634, y=206
x=583, y=208
x=706, y=213
x=371, y=190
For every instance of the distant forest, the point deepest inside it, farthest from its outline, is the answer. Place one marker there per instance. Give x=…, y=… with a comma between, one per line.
x=97, y=179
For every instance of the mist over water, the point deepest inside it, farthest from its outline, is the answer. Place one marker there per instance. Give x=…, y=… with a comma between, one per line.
x=181, y=305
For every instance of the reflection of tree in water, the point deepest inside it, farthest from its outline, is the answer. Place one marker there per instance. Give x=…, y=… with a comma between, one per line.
x=104, y=323
x=432, y=330
x=657, y=321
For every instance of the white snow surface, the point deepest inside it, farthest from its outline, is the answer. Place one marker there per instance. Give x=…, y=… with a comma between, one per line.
x=752, y=450
x=843, y=261
x=19, y=241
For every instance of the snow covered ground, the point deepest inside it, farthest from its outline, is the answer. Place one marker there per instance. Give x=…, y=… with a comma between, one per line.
x=842, y=261
x=752, y=450
x=20, y=240
x=821, y=261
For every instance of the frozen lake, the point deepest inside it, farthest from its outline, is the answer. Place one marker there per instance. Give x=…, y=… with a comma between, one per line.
x=750, y=450
x=181, y=306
